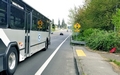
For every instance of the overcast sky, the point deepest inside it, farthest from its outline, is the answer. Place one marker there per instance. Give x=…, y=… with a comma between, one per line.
x=54, y=9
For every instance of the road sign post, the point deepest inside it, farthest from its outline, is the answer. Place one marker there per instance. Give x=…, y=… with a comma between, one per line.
x=77, y=27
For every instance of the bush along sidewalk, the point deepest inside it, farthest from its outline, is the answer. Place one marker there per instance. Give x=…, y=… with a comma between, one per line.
x=97, y=39
x=77, y=42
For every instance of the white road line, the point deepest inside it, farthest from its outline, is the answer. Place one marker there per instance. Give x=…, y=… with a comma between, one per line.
x=41, y=69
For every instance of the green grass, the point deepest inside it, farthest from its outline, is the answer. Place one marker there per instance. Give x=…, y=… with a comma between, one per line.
x=116, y=62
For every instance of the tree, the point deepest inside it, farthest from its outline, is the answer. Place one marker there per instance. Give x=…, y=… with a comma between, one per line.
x=63, y=24
x=58, y=23
x=52, y=21
x=72, y=13
x=116, y=20
x=53, y=25
x=95, y=14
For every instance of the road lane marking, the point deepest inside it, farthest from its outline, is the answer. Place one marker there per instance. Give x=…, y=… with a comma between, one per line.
x=41, y=69
x=80, y=53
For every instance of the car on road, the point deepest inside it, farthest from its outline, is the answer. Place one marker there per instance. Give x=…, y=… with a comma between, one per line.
x=61, y=33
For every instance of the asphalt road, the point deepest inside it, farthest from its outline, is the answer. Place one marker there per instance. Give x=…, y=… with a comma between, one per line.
x=57, y=60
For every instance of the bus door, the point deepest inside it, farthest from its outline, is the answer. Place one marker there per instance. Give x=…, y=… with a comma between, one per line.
x=27, y=33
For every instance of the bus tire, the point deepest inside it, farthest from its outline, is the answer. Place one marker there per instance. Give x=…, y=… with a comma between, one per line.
x=12, y=61
x=46, y=45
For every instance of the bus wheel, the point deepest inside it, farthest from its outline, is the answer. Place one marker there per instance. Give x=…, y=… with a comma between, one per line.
x=46, y=45
x=12, y=61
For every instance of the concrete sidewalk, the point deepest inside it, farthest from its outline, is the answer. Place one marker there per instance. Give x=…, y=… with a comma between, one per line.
x=94, y=63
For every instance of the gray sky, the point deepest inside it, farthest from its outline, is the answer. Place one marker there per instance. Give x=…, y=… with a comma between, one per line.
x=54, y=9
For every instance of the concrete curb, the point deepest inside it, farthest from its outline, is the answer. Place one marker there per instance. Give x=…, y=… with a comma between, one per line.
x=77, y=60
x=77, y=63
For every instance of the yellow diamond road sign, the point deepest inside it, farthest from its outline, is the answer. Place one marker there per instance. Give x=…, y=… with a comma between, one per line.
x=40, y=23
x=77, y=26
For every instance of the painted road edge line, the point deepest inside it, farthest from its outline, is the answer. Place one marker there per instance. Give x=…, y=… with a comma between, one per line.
x=41, y=69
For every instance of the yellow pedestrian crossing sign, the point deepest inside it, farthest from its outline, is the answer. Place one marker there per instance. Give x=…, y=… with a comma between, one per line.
x=77, y=26
x=40, y=23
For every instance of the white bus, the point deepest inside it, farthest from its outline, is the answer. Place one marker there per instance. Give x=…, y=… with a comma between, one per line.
x=23, y=32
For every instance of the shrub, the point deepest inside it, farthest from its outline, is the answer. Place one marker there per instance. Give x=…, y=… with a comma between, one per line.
x=100, y=39
x=78, y=37
x=103, y=40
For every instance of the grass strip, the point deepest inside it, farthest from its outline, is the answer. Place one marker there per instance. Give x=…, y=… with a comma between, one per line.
x=115, y=61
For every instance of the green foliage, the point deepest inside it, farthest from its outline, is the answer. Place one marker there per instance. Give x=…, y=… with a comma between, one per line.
x=100, y=39
x=95, y=14
x=88, y=32
x=63, y=24
x=115, y=61
x=53, y=26
x=97, y=18
x=72, y=13
x=116, y=20
x=78, y=37
x=103, y=40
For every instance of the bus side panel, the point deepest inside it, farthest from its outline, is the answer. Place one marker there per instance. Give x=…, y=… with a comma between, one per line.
x=37, y=41
x=19, y=37
x=16, y=35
